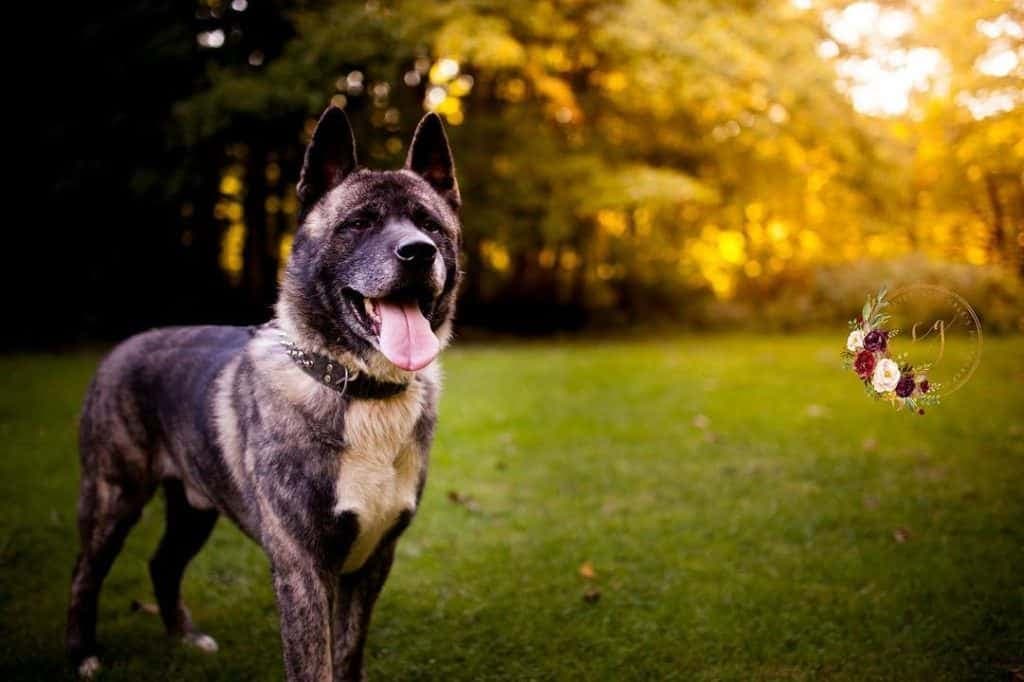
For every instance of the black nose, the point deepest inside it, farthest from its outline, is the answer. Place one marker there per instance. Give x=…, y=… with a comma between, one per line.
x=417, y=249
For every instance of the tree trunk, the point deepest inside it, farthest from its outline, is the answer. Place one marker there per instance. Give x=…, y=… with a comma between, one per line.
x=998, y=238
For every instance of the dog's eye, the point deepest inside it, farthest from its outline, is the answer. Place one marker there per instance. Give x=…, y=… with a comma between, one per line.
x=356, y=224
x=430, y=225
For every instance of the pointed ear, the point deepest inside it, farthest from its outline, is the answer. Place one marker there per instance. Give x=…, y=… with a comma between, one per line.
x=330, y=157
x=431, y=157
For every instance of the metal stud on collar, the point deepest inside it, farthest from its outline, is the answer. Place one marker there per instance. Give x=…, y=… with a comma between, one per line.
x=326, y=371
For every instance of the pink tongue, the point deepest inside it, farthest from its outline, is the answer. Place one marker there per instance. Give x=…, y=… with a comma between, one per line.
x=405, y=335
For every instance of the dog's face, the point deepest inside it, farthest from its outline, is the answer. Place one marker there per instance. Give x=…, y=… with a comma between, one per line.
x=374, y=265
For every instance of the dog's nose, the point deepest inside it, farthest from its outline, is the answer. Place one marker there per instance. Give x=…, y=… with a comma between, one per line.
x=416, y=249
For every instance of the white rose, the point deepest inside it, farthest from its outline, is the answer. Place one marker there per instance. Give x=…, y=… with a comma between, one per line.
x=855, y=341
x=886, y=376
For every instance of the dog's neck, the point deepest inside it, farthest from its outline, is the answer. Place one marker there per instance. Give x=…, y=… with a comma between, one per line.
x=311, y=341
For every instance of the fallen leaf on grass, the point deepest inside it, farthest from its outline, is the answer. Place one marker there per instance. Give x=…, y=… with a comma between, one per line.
x=869, y=444
x=591, y=594
x=467, y=501
x=901, y=535
x=145, y=607
x=587, y=571
x=701, y=421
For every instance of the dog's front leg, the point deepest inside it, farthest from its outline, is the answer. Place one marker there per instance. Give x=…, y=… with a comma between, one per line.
x=355, y=595
x=304, y=604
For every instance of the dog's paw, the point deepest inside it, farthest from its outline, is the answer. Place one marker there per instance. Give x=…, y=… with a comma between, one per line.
x=89, y=668
x=201, y=641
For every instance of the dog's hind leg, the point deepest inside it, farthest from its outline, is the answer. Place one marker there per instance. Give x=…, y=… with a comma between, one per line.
x=107, y=510
x=187, y=530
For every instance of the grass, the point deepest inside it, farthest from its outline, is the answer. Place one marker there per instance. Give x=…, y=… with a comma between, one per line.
x=842, y=541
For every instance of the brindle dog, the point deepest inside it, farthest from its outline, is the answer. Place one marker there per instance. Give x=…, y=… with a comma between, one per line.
x=311, y=432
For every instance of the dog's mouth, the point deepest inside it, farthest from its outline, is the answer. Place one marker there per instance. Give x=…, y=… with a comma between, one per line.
x=401, y=326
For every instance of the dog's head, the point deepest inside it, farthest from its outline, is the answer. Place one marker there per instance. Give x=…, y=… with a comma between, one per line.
x=374, y=264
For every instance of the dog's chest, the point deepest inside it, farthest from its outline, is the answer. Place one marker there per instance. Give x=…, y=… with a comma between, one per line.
x=379, y=469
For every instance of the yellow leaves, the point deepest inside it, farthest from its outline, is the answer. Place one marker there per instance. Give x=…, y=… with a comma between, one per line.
x=495, y=255
x=586, y=571
x=879, y=246
x=558, y=93
x=643, y=221
x=230, y=211
x=449, y=106
x=485, y=41
x=817, y=180
x=722, y=283
x=611, y=222
x=810, y=243
x=707, y=254
x=446, y=90
x=290, y=204
x=1003, y=131
x=272, y=173
x=443, y=70
x=931, y=150
x=284, y=252
x=232, y=245
x=231, y=185
x=569, y=260
x=732, y=246
x=546, y=258
x=461, y=86
x=900, y=130
x=815, y=209
x=512, y=89
x=754, y=212
x=555, y=57
x=976, y=255
x=613, y=82
x=777, y=230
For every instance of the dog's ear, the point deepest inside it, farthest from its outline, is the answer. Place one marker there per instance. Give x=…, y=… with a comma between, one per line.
x=330, y=157
x=431, y=157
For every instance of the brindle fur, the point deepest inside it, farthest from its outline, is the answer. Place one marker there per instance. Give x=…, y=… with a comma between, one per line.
x=226, y=423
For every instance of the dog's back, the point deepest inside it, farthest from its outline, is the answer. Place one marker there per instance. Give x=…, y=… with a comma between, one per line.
x=151, y=395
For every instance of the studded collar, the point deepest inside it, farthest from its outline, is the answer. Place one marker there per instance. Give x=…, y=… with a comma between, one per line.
x=348, y=382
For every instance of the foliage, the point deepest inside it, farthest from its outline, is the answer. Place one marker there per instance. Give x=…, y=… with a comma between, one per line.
x=824, y=295
x=617, y=154
x=621, y=161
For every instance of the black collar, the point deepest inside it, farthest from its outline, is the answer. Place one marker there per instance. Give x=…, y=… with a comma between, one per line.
x=348, y=382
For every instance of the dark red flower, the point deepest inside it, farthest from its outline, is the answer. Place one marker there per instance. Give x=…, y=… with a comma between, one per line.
x=905, y=386
x=864, y=365
x=876, y=340
x=924, y=386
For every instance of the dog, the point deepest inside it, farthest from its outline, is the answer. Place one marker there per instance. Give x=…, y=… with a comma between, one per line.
x=312, y=432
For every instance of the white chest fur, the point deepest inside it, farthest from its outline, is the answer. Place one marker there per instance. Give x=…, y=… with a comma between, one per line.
x=380, y=467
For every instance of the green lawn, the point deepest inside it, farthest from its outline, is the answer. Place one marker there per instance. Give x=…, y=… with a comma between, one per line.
x=805, y=533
